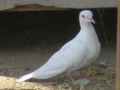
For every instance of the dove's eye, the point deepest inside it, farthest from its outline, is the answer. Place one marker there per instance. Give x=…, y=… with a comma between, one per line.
x=83, y=16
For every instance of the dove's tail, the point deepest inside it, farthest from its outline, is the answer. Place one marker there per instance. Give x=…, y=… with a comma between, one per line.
x=25, y=77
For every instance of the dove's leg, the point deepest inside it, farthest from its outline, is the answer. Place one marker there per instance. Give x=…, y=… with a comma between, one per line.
x=86, y=76
x=70, y=77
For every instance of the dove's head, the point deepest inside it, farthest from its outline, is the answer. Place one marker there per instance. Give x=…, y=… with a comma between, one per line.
x=86, y=16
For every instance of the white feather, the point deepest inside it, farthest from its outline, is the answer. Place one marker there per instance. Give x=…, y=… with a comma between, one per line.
x=76, y=54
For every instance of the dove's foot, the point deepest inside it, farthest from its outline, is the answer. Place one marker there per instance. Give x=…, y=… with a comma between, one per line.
x=70, y=77
x=86, y=76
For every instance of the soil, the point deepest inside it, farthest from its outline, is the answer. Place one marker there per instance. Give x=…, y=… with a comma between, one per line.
x=17, y=60
x=28, y=39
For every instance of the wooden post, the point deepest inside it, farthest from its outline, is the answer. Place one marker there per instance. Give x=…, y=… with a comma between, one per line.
x=118, y=50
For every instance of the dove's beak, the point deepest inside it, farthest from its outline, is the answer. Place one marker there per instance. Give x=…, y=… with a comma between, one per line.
x=92, y=20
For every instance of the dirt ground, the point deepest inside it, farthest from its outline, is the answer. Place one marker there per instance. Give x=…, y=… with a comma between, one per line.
x=17, y=60
x=28, y=39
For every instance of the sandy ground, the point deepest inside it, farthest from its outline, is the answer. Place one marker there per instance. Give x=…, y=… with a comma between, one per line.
x=17, y=61
x=28, y=39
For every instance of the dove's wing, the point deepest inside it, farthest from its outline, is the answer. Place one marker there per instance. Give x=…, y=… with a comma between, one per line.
x=63, y=60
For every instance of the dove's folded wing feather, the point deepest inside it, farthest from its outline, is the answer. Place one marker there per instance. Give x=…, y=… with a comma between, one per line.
x=65, y=60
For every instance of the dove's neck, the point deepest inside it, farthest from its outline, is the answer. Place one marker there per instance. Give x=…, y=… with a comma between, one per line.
x=87, y=33
x=85, y=25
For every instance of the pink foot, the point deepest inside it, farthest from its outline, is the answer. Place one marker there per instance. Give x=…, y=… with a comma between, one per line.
x=86, y=76
x=70, y=77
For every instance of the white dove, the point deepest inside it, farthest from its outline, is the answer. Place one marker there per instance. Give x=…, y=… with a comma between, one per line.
x=76, y=54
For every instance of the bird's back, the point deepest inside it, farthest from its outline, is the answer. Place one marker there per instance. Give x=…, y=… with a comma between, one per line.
x=68, y=57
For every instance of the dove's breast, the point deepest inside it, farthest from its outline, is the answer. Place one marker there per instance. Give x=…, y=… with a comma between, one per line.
x=90, y=39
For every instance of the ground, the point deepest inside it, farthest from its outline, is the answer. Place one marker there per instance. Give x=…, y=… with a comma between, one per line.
x=28, y=39
x=17, y=60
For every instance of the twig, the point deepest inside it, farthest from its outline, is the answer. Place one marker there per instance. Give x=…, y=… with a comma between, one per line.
x=102, y=24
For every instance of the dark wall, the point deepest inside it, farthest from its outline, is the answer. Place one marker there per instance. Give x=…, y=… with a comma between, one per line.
x=59, y=26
